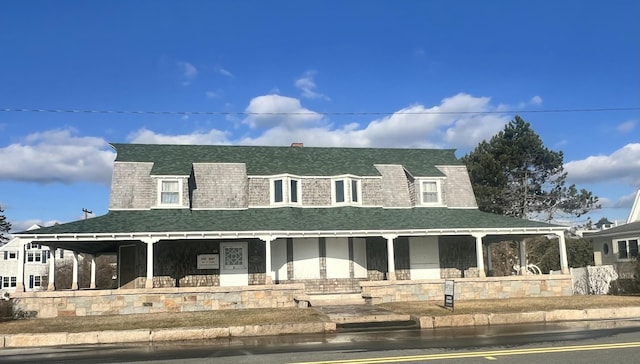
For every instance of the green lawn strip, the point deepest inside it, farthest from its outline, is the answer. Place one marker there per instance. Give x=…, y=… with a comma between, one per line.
x=431, y=308
x=218, y=318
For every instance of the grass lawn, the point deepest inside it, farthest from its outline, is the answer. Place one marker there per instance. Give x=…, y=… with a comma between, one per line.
x=513, y=305
x=225, y=318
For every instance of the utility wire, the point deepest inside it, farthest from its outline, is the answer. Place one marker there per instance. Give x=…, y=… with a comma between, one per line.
x=74, y=111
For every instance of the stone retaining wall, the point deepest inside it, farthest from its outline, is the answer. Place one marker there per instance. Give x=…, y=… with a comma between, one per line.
x=156, y=300
x=376, y=292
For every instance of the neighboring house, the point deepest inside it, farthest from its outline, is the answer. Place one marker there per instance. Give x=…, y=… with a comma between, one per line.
x=618, y=246
x=187, y=215
x=36, y=267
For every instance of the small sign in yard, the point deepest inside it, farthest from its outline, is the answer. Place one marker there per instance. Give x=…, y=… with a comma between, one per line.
x=448, y=293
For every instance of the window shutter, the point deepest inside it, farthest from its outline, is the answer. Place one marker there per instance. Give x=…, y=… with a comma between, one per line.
x=31, y=281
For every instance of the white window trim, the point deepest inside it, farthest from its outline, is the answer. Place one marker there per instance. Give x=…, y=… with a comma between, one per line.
x=348, y=196
x=438, y=183
x=617, y=249
x=159, y=192
x=286, y=191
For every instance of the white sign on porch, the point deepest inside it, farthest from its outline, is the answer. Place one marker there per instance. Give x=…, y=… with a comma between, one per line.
x=209, y=261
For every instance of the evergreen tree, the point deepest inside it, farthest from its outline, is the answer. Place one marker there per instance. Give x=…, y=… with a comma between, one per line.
x=514, y=174
x=5, y=226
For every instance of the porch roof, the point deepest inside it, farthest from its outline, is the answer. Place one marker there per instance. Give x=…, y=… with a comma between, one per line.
x=632, y=228
x=291, y=219
x=302, y=161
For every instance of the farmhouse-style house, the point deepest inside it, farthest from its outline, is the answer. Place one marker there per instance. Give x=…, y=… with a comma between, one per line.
x=330, y=218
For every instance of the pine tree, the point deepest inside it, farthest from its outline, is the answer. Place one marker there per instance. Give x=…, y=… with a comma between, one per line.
x=5, y=226
x=514, y=174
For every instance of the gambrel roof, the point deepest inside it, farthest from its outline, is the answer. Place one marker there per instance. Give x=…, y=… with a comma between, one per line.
x=176, y=160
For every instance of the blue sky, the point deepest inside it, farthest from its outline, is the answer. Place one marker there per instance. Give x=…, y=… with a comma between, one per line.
x=343, y=73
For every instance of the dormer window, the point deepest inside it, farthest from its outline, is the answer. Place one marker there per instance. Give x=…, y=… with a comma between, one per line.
x=285, y=190
x=430, y=192
x=169, y=192
x=346, y=191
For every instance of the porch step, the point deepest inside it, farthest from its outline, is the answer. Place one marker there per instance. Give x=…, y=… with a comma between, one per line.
x=336, y=299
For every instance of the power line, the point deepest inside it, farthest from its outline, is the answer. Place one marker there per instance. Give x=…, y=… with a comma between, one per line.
x=247, y=113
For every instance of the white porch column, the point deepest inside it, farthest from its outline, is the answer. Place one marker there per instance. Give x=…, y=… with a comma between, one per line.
x=523, y=257
x=562, y=246
x=391, y=261
x=52, y=269
x=150, y=242
x=93, y=272
x=74, y=282
x=267, y=259
x=20, y=276
x=479, y=255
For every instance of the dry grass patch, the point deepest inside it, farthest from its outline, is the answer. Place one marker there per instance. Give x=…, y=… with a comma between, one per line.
x=219, y=318
x=431, y=308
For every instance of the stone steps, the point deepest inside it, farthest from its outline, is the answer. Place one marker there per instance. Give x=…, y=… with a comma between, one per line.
x=336, y=299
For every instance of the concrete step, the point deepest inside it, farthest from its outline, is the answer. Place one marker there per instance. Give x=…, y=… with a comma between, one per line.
x=359, y=316
x=336, y=299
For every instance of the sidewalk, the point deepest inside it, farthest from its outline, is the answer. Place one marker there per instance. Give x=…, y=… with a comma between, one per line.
x=337, y=315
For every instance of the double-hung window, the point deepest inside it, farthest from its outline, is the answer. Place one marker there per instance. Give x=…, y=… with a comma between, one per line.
x=430, y=192
x=169, y=192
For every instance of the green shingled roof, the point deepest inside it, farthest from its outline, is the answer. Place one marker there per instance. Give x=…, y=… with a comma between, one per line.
x=288, y=219
x=302, y=161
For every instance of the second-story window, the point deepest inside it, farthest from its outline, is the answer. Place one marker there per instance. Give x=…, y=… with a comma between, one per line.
x=346, y=191
x=293, y=190
x=169, y=192
x=278, y=191
x=355, y=191
x=285, y=190
x=339, y=190
x=430, y=192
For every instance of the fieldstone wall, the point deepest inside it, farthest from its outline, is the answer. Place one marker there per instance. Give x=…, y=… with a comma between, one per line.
x=157, y=300
x=376, y=292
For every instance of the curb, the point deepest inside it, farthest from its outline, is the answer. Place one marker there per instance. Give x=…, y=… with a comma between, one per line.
x=590, y=314
x=203, y=333
x=157, y=335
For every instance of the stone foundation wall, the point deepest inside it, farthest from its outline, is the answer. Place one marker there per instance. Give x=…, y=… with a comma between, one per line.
x=376, y=292
x=157, y=300
x=329, y=285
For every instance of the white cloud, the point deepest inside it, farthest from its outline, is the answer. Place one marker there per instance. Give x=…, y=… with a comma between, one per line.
x=281, y=120
x=57, y=156
x=211, y=95
x=274, y=110
x=188, y=73
x=308, y=86
x=621, y=165
x=146, y=136
x=414, y=126
x=626, y=201
x=626, y=127
x=536, y=100
x=17, y=226
x=225, y=72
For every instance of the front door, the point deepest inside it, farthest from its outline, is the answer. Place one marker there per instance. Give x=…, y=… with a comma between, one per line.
x=234, y=267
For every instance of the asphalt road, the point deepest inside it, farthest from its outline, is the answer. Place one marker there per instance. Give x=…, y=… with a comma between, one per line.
x=585, y=342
